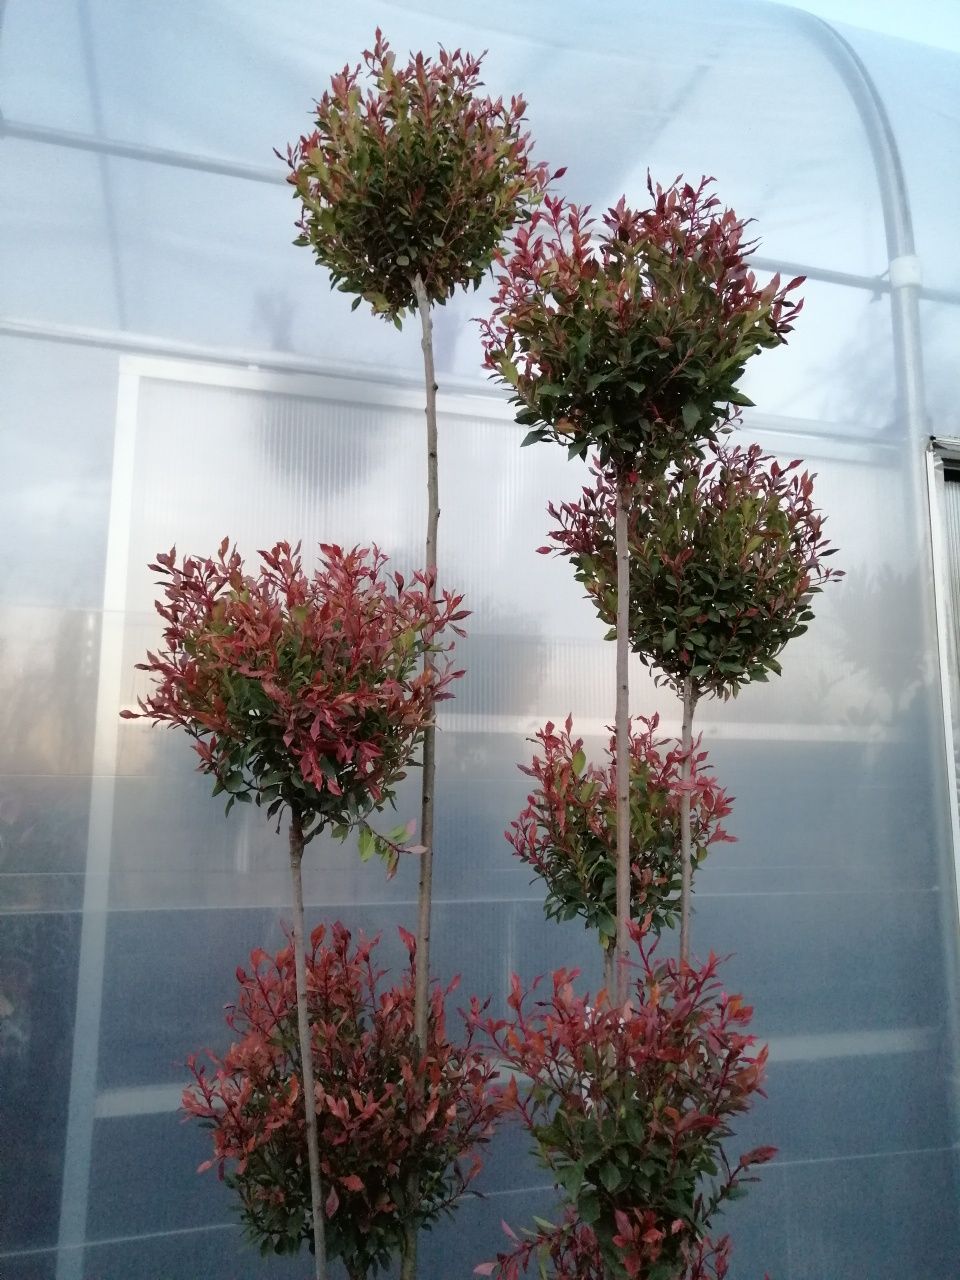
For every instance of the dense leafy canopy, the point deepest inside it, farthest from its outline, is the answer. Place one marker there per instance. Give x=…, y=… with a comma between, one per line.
x=726, y=556
x=629, y=1107
x=631, y=339
x=385, y=1109
x=567, y=832
x=301, y=691
x=419, y=175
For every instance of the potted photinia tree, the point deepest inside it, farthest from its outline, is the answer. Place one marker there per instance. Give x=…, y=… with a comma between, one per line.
x=306, y=693
x=704, y=560
x=567, y=832
x=408, y=183
x=392, y=1114
x=629, y=341
x=727, y=553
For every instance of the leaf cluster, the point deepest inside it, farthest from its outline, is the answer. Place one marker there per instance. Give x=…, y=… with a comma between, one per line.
x=629, y=1107
x=570, y=1250
x=302, y=692
x=567, y=832
x=726, y=556
x=385, y=1110
x=415, y=175
x=630, y=338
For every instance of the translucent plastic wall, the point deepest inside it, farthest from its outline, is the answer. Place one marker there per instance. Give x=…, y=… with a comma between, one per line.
x=173, y=370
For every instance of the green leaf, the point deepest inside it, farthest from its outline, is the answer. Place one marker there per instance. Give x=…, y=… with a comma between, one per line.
x=691, y=415
x=578, y=762
x=367, y=844
x=532, y=437
x=589, y=1206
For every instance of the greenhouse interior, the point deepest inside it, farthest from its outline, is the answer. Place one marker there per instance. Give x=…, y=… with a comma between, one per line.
x=177, y=373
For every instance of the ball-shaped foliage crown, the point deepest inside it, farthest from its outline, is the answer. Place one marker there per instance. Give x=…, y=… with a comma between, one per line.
x=630, y=338
x=418, y=176
x=726, y=556
x=567, y=832
x=304, y=691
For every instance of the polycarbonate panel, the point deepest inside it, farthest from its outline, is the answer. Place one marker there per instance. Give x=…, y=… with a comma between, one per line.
x=121, y=880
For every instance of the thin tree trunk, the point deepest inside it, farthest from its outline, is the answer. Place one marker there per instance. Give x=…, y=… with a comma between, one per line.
x=421, y=990
x=623, y=743
x=422, y=982
x=686, y=845
x=608, y=973
x=306, y=1049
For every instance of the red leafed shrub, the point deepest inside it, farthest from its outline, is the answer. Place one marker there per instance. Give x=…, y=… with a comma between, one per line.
x=300, y=690
x=418, y=176
x=569, y=1250
x=630, y=339
x=726, y=556
x=630, y=1106
x=384, y=1110
x=567, y=833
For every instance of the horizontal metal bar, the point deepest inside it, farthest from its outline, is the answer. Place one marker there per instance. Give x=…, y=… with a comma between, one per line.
x=479, y=393
x=72, y=140
x=136, y=151
x=877, y=285
x=149, y=345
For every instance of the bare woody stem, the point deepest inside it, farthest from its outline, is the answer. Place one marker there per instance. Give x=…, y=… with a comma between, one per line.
x=421, y=990
x=608, y=972
x=623, y=742
x=428, y=778
x=306, y=1049
x=686, y=844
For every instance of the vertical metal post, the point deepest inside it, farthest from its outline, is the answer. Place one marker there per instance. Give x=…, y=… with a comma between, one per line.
x=81, y=1102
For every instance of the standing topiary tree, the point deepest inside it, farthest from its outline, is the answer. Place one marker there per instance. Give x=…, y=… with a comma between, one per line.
x=567, y=833
x=630, y=341
x=408, y=184
x=307, y=694
x=727, y=555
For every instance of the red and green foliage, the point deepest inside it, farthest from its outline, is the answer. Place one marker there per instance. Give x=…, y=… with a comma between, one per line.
x=416, y=175
x=567, y=833
x=570, y=1250
x=726, y=555
x=385, y=1110
x=630, y=1106
x=630, y=339
x=304, y=691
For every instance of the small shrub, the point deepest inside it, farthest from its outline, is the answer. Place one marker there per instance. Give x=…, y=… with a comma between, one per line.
x=567, y=833
x=629, y=1107
x=569, y=1250
x=385, y=1110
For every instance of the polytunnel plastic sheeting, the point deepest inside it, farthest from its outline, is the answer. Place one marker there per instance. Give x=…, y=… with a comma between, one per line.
x=126, y=900
x=737, y=91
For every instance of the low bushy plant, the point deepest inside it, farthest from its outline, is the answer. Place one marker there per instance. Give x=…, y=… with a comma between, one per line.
x=390, y=1114
x=630, y=1106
